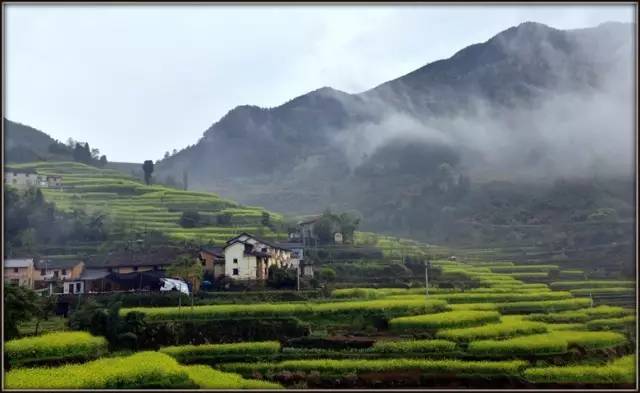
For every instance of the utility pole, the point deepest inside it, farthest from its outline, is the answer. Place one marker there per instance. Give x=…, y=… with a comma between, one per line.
x=426, y=277
x=298, y=276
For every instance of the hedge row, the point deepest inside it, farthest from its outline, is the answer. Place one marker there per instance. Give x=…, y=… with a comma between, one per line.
x=468, y=297
x=55, y=346
x=450, y=319
x=414, y=346
x=612, y=323
x=189, y=353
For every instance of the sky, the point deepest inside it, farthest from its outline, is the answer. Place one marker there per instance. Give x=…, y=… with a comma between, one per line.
x=136, y=81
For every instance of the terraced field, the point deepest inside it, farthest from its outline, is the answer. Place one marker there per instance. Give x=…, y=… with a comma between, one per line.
x=144, y=207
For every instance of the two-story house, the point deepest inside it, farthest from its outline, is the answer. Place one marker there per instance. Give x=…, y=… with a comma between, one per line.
x=54, y=274
x=19, y=272
x=249, y=258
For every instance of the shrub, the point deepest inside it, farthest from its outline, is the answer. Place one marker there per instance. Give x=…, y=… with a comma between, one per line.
x=543, y=306
x=619, y=371
x=505, y=329
x=474, y=306
x=426, y=366
x=193, y=352
x=426, y=346
x=565, y=326
x=537, y=344
x=444, y=320
x=568, y=285
x=55, y=346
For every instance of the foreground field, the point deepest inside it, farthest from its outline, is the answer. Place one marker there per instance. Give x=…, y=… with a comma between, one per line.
x=499, y=332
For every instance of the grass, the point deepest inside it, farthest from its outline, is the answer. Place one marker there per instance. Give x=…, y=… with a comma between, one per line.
x=619, y=371
x=470, y=297
x=142, y=370
x=507, y=328
x=443, y=320
x=55, y=346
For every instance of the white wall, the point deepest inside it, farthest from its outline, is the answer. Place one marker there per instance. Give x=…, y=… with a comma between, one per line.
x=246, y=263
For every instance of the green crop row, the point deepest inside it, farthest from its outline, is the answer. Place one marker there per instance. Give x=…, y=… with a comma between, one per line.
x=138, y=371
x=470, y=297
x=504, y=329
x=581, y=315
x=191, y=352
x=622, y=370
x=602, y=291
x=543, y=306
x=412, y=306
x=612, y=323
x=474, y=307
x=450, y=319
x=54, y=346
x=568, y=285
x=425, y=366
x=415, y=346
x=523, y=268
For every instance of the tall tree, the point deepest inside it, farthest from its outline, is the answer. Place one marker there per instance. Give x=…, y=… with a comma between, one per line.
x=185, y=180
x=20, y=304
x=147, y=167
x=189, y=269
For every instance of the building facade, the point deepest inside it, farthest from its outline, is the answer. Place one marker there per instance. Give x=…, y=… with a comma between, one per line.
x=249, y=258
x=19, y=272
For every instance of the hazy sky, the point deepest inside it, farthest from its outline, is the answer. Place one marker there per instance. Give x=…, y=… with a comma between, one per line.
x=136, y=81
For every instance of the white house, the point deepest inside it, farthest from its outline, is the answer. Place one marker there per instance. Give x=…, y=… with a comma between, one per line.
x=247, y=257
x=21, y=178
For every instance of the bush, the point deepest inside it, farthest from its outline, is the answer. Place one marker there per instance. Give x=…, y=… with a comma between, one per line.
x=332, y=343
x=602, y=291
x=474, y=306
x=426, y=346
x=55, y=346
x=208, y=378
x=444, y=320
x=619, y=371
x=590, y=340
x=505, y=329
x=543, y=306
x=425, y=366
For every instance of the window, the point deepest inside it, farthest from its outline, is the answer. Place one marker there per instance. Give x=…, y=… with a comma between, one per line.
x=264, y=249
x=43, y=272
x=78, y=287
x=135, y=268
x=235, y=260
x=15, y=270
x=64, y=272
x=56, y=273
x=235, y=272
x=204, y=263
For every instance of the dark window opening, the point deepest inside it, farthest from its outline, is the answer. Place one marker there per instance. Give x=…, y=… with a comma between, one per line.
x=15, y=270
x=235, y=272
x=135, y=268
x=64, y=272
x=235, y=260
x=43, y=272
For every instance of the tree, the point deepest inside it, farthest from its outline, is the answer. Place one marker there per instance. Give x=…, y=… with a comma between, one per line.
x=185, y=180
x=103, y=161
x=224, y=218
x=147, y=167
x=46, y=307
x=174, y=152
x=188, y=269
x=190, y=219
x=266, y=219
x=95, y=154
x=20, y=304
x=348, y=225
x=166, y=155
x=327, y=274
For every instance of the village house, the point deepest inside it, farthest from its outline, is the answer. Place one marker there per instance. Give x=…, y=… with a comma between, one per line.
x=19, y=272
x=297, y=259
x=21, y=178
x=249, y=258
x=58, y=275
x=212, y=259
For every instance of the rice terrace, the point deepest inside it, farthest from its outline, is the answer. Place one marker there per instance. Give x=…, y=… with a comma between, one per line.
x=457, y=216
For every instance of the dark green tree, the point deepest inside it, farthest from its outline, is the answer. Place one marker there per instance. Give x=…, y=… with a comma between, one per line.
x=147, y=167
x=20, y=305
